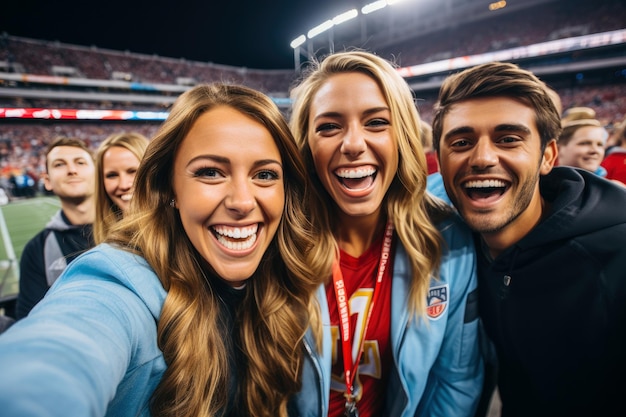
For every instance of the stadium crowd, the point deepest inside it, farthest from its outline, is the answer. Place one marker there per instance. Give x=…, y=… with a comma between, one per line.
x=22, y=142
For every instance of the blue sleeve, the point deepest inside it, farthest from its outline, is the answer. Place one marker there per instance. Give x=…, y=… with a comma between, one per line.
x=456, y=379
x=68, y=357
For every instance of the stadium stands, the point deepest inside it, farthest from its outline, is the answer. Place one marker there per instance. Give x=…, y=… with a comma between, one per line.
x=47, y=74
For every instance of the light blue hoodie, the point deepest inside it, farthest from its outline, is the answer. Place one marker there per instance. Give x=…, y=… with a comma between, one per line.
x=89, y=348
x=438, y=368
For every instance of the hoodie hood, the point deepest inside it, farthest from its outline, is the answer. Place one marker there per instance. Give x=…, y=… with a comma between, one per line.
x=60, y=222
x=580, y=203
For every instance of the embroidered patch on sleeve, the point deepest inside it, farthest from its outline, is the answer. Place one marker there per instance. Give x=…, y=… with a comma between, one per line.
x=437, y=301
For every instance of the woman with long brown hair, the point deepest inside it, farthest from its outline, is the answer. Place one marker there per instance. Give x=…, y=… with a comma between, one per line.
x=198, y=301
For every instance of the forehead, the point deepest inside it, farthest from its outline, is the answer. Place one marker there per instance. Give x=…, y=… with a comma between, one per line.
x=67, y=153
x=487, y=113
x=591, y=131
x=119, y=152
x=225, y=129
x=355, y=88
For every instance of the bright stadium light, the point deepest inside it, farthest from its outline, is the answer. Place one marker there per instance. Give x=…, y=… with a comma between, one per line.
x=372, y=7
x=345, y=16
x=320, y=29
x=298, y=41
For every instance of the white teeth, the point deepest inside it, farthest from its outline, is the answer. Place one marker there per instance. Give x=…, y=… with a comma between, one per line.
x=236, y=232
x=247, y=235
x=485, y=184
x=237, y=245
x=355, y=173
x=126, y=197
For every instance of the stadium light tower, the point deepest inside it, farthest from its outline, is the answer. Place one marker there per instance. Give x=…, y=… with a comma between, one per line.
x=295, y=44
x=326, y=26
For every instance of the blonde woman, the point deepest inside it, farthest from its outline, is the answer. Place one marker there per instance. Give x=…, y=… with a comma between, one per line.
x=400, y=291
x=117, y=161
x=197, y=303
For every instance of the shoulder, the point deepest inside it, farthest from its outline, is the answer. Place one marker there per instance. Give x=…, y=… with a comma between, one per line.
x=113, y=270
x=111, y=259
x=456, y=233
x=37, y=241
x=434, y=185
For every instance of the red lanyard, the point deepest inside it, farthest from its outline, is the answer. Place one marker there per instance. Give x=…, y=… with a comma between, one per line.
x=350, y=367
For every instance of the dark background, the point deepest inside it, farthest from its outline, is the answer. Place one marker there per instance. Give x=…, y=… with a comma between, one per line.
x=250, y=33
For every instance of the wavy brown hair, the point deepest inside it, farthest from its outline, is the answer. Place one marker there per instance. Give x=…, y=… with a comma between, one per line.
x=107, y=212
x=278, y=302
x=407, y=204
x=499, y=79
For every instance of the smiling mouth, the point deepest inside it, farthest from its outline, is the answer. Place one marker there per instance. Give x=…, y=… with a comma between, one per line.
x=236, y=238
x=484, y=189
x=356, y=179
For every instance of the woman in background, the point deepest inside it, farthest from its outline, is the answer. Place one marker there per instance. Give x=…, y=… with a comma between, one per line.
x=117, y=161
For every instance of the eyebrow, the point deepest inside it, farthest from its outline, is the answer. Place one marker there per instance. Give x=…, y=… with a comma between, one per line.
x=224, y=160
x=65, y=159
x=338, y=114
x=515, y=127
x=506, y=127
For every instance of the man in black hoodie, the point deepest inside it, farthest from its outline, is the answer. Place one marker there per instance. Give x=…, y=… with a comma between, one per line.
x=70, y=174
x=551, y=245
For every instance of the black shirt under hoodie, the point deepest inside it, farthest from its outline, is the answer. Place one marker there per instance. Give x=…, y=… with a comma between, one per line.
x=554, y=304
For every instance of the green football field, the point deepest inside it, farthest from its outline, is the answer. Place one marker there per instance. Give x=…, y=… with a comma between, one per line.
x=20, y=220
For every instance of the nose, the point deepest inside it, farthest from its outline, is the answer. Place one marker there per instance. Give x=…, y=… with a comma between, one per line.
x=483, y=155
x=353, y=142
x=240, y=199
x=72, y=168
x=597, y=148
x=126, y=181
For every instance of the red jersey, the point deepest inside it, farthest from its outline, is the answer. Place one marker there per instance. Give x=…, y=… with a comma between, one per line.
x=359, y=275
x=615, y=164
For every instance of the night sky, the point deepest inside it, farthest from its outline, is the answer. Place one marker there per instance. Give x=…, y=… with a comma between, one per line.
x=250, y=33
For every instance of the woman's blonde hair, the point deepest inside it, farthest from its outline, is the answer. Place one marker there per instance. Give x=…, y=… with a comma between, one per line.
x=275, y=312
x=107, y=212
x=407, y=204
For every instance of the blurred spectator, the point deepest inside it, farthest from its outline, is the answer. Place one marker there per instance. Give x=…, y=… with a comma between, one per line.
x=582, y=140
x=117, y=161
x=23, y=185
x=615, y=159
x=426, y=133
x=71, y=176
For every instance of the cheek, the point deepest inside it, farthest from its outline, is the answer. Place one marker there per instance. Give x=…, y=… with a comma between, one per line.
x=110, y=185
x=197, y=205
x=275, y=203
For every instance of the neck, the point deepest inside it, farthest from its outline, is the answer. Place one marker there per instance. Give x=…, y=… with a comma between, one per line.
x=499, y=241
x=79, y=211
x=356, y=234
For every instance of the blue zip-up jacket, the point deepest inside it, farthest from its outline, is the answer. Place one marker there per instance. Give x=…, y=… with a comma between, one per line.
x=438, y=369
x=89, y=348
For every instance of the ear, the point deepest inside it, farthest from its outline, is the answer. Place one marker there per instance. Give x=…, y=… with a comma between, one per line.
x=46, y=181
x=550, y=155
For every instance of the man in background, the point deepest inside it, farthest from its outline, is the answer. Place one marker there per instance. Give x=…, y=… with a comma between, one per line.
x=70, y=175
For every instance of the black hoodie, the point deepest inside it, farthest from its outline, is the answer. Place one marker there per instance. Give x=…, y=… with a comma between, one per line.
x=554, y=304
x=45, y=257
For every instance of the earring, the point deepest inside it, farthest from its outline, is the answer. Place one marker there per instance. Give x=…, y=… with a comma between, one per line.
x=172, y=203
